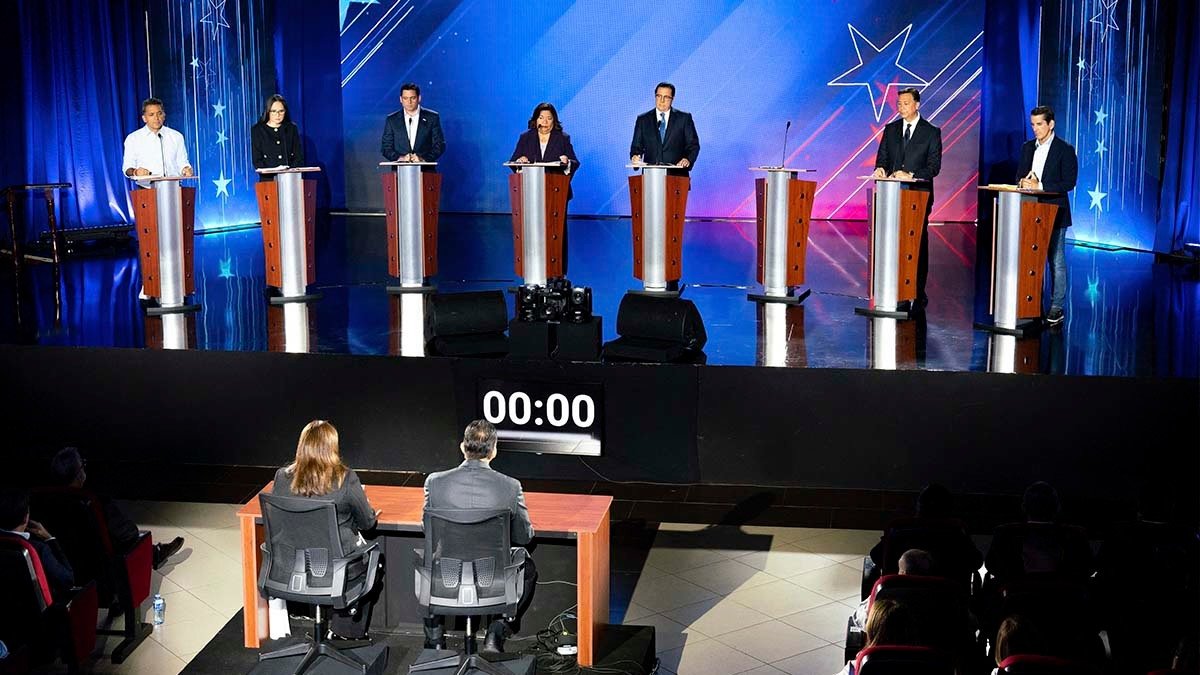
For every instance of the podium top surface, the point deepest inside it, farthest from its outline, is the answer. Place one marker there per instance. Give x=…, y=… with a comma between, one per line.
x=1013, y=188
x=38, y=186
x=889, y=179
x=403, y=163
x=160, y=179
x=781, y=169
x=543, y=165
x=655, y=166
x=288, y=169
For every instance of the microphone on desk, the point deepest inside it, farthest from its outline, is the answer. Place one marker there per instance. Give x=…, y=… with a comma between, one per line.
x=783, y=157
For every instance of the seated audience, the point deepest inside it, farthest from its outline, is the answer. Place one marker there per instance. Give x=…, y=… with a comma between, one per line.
x=68, y=468
x=15, y=522
x=318, y=473
x=934, y=529
x=890, y=623
x=1040, y=545
x=914, y=561
x=1017, y=635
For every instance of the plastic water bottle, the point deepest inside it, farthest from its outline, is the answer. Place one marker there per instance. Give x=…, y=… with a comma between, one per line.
x=160, y=609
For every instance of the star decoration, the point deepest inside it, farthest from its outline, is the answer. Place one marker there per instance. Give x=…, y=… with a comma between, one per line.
x=1109, y=9
x=1100, y=149
x=1093, y=289
x=222, y=184
x=218, y=109
x=195, y=62
x=226, y=267
x=345, y=7
x=1096, y=196
x=881, y=71
x=221, y=137
x=1082, y=64
x=1101, y=116
x=217, y=8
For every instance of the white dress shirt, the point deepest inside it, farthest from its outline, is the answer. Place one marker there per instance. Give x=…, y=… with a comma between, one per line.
x=1040, y=152
x=410, y=125
x=163, y=154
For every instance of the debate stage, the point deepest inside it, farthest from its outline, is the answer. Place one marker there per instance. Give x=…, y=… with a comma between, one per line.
x=858, y=415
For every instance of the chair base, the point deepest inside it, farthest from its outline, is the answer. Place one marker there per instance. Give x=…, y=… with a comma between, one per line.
x=133, y=638
x=376, y=657
x=445, y=662
x=318, y=648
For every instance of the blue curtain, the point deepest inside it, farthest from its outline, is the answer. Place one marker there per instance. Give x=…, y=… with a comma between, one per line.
x=1178, y=223
x=83, y=74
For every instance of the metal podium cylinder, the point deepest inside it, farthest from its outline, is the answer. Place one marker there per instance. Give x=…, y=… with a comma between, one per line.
x=883, y=343
x=654, y=228
x=533, y=215
x=410, y=246
x=885, y=245
x=1002, y=353
x=1007, y=263
x=168, y=203
x=775, y=242
x=293, y=248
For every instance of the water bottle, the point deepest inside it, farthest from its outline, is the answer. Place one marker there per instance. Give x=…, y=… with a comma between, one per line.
x=160, y=609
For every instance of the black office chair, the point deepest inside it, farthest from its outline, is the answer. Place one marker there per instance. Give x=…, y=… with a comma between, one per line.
x=304, y=562
x=467, y=568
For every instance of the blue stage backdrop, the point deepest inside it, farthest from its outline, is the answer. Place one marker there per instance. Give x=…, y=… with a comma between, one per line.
x=1102, y=69
x=211, y=66
x=742, y=68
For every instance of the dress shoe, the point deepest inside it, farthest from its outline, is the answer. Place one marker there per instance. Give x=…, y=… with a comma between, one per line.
x=497, y=633
x=164, y=551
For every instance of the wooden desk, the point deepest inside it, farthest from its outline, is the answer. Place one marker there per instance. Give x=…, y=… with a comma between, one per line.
x=581, y=517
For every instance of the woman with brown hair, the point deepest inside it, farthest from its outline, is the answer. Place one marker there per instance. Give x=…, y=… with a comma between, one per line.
x=318, y=473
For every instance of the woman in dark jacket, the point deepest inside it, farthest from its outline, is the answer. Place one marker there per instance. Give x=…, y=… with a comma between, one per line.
x=546, y=142
x=275, y=140
x=318, y=473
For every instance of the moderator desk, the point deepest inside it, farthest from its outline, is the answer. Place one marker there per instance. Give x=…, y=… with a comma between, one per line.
x=584, y=518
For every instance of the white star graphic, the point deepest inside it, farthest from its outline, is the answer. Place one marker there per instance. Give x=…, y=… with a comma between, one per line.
x=195, y=62
x=221, y=137
x=1101, y=116
x=222, y=184
x=1109, y=10
x=218, y=109
x=1100, y=149
x=216, y=7
x=1082, y=64
x=1096, y=196
x=882, y=69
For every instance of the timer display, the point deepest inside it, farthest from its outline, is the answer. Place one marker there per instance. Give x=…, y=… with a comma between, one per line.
x=543, y=417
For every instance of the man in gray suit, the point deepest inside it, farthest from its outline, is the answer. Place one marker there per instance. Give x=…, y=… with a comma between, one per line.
x=475, y=485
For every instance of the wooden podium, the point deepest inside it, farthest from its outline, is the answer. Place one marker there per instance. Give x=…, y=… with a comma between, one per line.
x=658, y=203
x=1021, y=229
x=288, y=208
x=897, y=218
x=783, y=207
x=165, y=218
x=410, y=202
x=539, y=212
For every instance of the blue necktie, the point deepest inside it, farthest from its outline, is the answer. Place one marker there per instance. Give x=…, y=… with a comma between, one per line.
x=662, y=127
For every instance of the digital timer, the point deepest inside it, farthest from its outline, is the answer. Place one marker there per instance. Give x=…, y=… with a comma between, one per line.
x=543, y=417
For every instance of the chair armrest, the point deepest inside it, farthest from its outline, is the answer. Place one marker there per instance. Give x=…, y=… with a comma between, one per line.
x=136, y=565
x=869, y=575
x=855, y=639
x=80, y=610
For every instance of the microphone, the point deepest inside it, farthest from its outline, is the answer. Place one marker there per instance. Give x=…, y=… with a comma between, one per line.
x=783, y=157
x=162, y=155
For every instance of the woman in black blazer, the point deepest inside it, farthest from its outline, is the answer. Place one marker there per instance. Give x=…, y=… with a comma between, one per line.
x=546, y=142
x=275, y=140
x=318, y=473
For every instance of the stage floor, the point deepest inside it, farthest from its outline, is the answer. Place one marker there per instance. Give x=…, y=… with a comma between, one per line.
x=1127, y=315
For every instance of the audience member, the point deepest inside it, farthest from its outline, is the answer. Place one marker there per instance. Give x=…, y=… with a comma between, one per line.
x=15, y=522
x=68, y=468
x=1040, y=545
x=913, y=561
x=1017, y=635
x=890, y=622
x=934, y=529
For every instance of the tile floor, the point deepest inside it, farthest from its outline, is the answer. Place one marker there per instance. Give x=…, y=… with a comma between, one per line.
x=774, y=599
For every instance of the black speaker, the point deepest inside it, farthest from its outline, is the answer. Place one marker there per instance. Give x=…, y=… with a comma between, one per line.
x=531, y=339
x=654, y=328
x=468, y=324
x=580, y=341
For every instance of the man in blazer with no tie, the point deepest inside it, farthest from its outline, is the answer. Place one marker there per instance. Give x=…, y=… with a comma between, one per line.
x=665, y=135
x=413, y=133
x=1049, y=163
x=911, y=147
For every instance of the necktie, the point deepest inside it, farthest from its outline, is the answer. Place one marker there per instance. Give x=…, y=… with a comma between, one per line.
x=662, y=127
x=907, y=133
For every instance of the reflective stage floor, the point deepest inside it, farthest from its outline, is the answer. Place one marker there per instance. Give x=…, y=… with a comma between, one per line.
x=1127, y=315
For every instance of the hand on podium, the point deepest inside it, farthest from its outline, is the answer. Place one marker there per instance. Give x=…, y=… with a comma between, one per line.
x=684, y=163
x=636, y=159
x=907, y=175
x=1031, y=182
x=187, y=171
x=522, y=160
x=879, y=173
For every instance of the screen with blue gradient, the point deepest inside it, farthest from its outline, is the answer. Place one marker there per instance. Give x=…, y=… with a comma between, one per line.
x=743, y=69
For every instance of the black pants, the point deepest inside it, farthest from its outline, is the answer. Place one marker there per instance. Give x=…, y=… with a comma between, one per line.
x=435, y=626
x=354, y=621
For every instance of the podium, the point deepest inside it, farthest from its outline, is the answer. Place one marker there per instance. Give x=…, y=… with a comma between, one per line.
x=780, y=339
x=539, y=212
x=783, y=207
x=288, y=208
x=897, y=218
x=895, y=344
x=1008, y=353
x=408, y=330
x=657, y=203
x=1021, y=229
x=165, y=217
x=171, y=331
x=291, y=329
x=410, y=202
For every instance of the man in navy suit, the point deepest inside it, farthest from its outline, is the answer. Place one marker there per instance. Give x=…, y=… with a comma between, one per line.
x=911, y=147
x=1049, y=163
x=413, y=133
x=665, y=135
x=15, y=522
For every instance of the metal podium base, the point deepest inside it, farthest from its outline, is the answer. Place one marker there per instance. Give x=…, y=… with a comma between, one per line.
x=781, y=299
x=659, y=294
x=883, y=313
x=285, y=299
x=1023, y=329
x=400, y=290
x=157, y=310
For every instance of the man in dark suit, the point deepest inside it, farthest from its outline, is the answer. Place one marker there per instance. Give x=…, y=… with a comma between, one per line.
x=1049, y=163
x=413, y=133
x=15, y=522
x=475, y=485
x=911, y=147
x=665, y=135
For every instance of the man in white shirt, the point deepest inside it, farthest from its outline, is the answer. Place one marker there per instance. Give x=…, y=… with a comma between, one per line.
x=155, y=149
